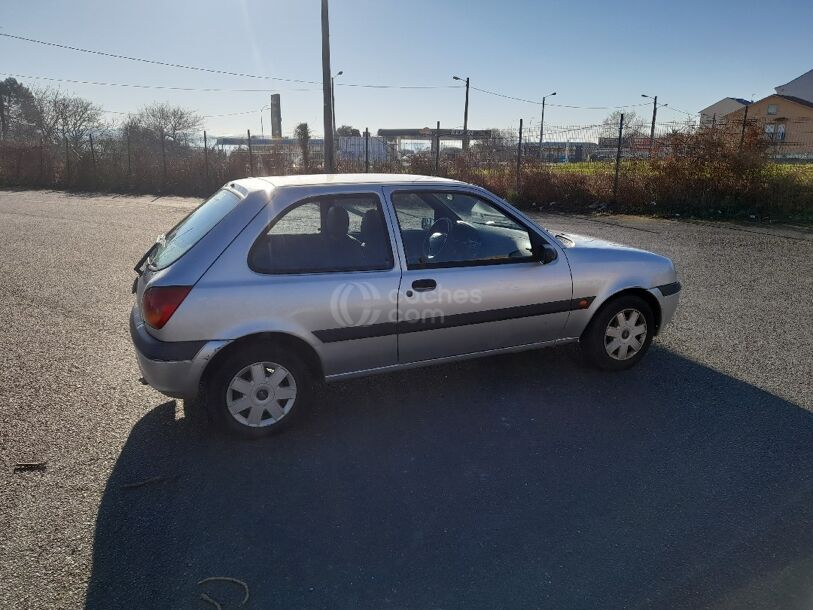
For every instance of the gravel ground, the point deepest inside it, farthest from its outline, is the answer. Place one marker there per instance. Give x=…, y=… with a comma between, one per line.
x=686, y=482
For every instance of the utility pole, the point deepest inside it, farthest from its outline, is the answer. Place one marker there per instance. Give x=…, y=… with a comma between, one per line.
x=744, y=123
x=542, y=122
x=327, y=101
x=465, y=114
x=652, y=130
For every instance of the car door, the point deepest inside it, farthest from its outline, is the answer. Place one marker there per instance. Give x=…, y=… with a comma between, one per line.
x=321, y=267
x=482, y=288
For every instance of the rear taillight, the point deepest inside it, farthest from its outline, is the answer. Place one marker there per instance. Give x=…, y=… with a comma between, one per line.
x=160, y=302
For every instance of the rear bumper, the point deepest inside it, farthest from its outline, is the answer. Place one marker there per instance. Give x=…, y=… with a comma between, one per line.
x=173, y=368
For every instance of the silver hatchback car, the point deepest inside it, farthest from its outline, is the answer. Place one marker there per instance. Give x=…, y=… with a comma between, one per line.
x=274, y=284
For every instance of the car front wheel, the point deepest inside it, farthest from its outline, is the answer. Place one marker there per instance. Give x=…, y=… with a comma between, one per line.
x=619, y=334
x=257, y=391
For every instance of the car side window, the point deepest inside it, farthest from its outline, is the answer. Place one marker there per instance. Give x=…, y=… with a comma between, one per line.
x=449, y=229
x=320, y=235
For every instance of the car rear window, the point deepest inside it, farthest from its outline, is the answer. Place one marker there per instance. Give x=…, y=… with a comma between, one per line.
x=192, y=228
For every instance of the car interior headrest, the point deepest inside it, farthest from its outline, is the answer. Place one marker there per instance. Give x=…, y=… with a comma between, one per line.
x=337, y=221
x=372, y=224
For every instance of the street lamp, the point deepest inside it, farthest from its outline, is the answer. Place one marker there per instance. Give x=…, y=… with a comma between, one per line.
x=654, y=114
x=262, y=129
x=542, y=122
x=465, y=114
x=333, y=99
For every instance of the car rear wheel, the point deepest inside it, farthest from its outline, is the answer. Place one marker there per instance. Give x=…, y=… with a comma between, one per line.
x=619, y=334
x=257, y=390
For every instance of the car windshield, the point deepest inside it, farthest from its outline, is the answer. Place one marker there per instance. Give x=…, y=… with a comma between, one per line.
x=190, y=230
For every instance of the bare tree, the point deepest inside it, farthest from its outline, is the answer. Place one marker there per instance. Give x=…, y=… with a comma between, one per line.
x=63, y=116
x=303, y=135
x=634, y=126
x=175, y=123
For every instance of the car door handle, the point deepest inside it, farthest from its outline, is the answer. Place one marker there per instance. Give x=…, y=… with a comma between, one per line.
x=424, y=285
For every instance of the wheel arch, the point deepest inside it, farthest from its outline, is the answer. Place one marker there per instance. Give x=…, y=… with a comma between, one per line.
x=278, y=339
x=643, y=293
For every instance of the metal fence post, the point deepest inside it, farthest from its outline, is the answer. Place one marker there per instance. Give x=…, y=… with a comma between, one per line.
x=250, y=155
x=42, y=163
x=129, y=161
x=206, y=159
x=437, y=149
x=92, y=158
x=163, y=159
x=67, y=164
x=367, y=149
x=618, y=156
x=519, y=157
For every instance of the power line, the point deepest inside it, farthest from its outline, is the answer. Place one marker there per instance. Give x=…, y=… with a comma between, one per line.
x=255, y=111
x=135, y=86
x=691, y=114
x=151, y=61
x=598, y=107
x=527, y=101
x=509, y=97
x=204, y=116
x=214, y=70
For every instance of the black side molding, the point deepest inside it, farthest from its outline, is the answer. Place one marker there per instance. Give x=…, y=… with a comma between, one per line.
x=491, y=315
x=165, y=351
x=669, y=289
x=349, y=333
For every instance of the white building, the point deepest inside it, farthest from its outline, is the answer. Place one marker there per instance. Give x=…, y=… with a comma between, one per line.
x=718, y=110
x=800, y=87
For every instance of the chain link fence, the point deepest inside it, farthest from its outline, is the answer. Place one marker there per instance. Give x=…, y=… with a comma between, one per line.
x=634, y=167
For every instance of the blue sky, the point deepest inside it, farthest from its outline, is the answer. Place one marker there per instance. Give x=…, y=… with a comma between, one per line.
x=593, y=53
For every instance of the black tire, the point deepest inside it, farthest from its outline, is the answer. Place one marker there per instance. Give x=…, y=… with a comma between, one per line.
x=593, y=344
x=216, y=385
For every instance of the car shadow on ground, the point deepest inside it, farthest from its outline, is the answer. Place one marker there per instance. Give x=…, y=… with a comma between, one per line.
x=516, y=481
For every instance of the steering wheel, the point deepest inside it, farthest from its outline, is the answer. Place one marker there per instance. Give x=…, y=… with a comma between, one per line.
x=437, y=238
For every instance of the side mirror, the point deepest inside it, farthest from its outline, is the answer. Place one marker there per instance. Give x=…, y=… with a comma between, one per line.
x=543, y=252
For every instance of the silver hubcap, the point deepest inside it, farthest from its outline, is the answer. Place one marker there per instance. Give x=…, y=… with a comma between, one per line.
x=261, y=394
x=625, y=334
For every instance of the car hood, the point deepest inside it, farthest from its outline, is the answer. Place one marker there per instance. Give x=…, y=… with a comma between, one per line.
x=574, y=240
x=597, y=263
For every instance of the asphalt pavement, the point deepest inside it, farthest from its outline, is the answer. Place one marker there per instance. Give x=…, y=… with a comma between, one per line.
x=518, y=481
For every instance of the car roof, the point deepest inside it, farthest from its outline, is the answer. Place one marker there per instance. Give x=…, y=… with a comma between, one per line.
x=331, y=179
